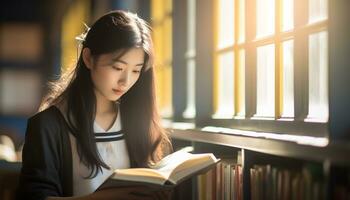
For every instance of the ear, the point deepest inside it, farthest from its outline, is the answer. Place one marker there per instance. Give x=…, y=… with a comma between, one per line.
x=87, y=58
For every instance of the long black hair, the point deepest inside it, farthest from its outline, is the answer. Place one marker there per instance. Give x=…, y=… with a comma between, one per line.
x=146, y=140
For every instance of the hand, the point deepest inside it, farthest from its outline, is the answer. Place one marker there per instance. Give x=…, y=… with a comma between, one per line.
x=132, y=193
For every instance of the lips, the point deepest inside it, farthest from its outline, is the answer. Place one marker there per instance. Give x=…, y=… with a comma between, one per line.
x=116, y=91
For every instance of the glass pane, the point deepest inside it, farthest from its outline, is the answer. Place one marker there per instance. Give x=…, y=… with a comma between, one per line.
x=241, y=84
x=225, y=86
x=157, y=10
x=167, y=43
x=168, y=6
x=288, y=77
x=318, y=76
x=158, y=35
x=241, y=36
x=266, y=81
x=165, y=90
x=191, y=26
x=265, y=17
x=318, y=10
x=226, y=22
x=287, y=13
x=190, y=111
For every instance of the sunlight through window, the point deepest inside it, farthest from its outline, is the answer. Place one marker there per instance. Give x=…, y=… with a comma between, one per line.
x=266, y=81
x=288, y=77
x=190, y=111
x=241, y=84
x=318, y=10
x=226, y=23
x=265, y=18
x=318, y=76
x=241, y=36
x=287, y=15
x=225, y=86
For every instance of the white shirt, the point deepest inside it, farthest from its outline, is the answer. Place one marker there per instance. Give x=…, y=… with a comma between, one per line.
x=113, y=151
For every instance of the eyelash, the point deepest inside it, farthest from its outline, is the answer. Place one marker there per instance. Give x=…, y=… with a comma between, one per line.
x=117, y=68
x=120, y=69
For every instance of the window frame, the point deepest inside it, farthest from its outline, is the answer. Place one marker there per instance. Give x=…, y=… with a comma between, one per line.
x=300, y=35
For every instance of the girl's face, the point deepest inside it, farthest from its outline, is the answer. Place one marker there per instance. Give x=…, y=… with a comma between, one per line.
x=112, y=76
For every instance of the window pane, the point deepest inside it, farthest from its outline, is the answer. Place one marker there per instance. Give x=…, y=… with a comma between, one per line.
x=265, y=17
x=157, y=10
x=318, y=76
x=190, y=111
x=162, y=34
x=167, y=43
x=318, y=10
x=226, y=22
x=191, y=26
x=158, y=34
x=225, y=86
x=288, y=77
x=241, y=84
x=266, y=81
x=241, y=36
x=287, y=13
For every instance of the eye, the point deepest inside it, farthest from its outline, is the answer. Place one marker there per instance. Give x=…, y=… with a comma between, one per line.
x=137, y=71
x=117, y=68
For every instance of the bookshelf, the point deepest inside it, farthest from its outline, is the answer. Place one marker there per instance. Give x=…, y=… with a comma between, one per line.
x=328, y=166
x=335, y=152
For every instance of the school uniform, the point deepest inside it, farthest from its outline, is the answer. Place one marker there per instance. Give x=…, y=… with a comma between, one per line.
x=51, y=164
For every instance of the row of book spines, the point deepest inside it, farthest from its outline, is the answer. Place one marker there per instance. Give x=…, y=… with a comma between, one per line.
x=224, y=182
x=268, y=182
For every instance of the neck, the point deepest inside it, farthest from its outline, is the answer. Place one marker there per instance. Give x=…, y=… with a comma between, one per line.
x=103, y=105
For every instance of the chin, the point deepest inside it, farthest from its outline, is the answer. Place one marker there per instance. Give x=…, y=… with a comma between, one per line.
x=114, y=98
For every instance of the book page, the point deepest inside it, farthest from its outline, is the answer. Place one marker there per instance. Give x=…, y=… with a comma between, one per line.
x=139, y=174
x=189, y=167
x=176, y=165
x=180, y=164
x=171, y=161
x=157, y=173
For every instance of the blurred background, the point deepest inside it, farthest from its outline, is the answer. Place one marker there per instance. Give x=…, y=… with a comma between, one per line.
x=37, y=42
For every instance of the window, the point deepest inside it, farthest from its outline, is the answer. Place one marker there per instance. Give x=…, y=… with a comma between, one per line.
x=258, y=65
x=281, y=49
x=229, y=59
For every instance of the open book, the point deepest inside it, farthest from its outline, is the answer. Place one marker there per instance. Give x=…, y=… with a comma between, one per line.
x=171, y=170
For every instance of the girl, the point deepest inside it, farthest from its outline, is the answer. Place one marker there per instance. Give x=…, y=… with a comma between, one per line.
x=99, y=118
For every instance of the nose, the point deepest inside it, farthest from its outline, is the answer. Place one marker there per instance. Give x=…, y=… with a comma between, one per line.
x=124, y=78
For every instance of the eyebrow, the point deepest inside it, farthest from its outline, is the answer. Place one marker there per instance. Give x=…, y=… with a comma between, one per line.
x=121, y=61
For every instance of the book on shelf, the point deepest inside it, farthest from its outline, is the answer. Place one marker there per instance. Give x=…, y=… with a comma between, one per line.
x=225, y=181
x=168, y=172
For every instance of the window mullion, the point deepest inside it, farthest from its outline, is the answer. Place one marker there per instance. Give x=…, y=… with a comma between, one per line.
x=236, y=59
x=215, y=56
x=250, y=59
x=278, y=62
x=301, y=84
